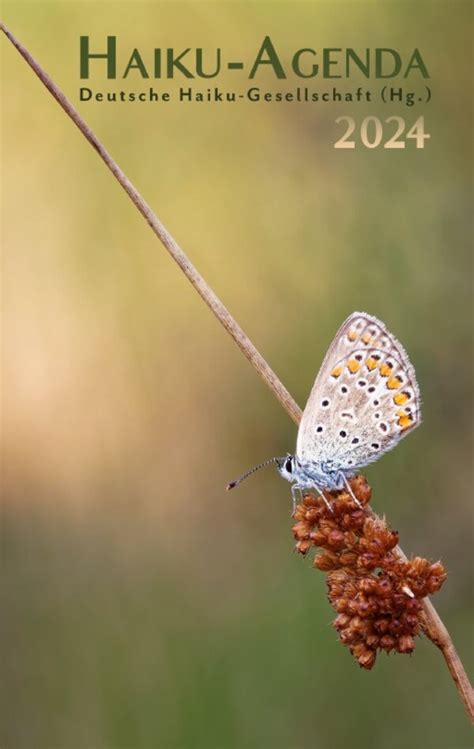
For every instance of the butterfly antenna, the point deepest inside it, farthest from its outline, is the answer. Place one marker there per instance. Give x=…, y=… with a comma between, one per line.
x=252, y=470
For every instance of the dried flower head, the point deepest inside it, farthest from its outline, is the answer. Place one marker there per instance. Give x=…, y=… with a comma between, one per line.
x=376, y=594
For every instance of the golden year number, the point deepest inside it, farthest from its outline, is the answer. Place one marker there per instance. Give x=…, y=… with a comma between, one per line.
x=372, y=133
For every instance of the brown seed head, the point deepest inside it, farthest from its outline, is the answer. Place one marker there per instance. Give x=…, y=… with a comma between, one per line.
x=376, y=594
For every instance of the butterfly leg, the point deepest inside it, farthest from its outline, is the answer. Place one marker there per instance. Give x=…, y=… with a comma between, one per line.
x=296, y=494
x=300, y=488
x=324, y=498
x=348, y=487
x=321, y=494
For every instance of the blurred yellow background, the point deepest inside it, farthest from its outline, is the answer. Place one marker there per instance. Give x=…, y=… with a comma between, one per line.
x=144, y=606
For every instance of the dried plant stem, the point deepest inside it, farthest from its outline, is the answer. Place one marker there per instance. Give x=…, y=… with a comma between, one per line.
x=166, y=239
x=439, y=636
x=435, y=628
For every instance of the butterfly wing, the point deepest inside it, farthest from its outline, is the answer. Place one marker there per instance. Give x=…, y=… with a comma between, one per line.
x=364, y=399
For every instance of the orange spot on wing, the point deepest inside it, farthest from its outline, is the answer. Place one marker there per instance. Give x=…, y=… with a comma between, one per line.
x=394, y=383
x=385, y=370
x=367, y=338
x=405, y=421
x=371, y=363
x=352, y=335
x=401, y=398
x=353, y=365
x=336, y=372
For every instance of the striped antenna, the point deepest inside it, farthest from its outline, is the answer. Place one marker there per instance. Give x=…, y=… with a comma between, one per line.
x=252, y=470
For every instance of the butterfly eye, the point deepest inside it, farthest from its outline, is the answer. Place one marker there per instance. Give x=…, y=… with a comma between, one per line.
x=289, y=465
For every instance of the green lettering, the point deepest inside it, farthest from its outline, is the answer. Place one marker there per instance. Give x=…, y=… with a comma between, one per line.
x=136, y=63
x=327, y=62
x=272, y=59
x=416, y=63
x=364, y=68
x=85, y=56
x=295, y=64
x=379, y=63
x=173, y=62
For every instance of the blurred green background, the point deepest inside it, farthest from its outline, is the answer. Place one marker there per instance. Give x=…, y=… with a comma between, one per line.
x=145, y=607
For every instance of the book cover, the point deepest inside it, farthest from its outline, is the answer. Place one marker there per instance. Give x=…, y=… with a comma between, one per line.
x=195, y=197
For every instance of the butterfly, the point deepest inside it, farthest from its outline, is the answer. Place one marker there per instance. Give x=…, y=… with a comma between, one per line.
x=364, y=400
